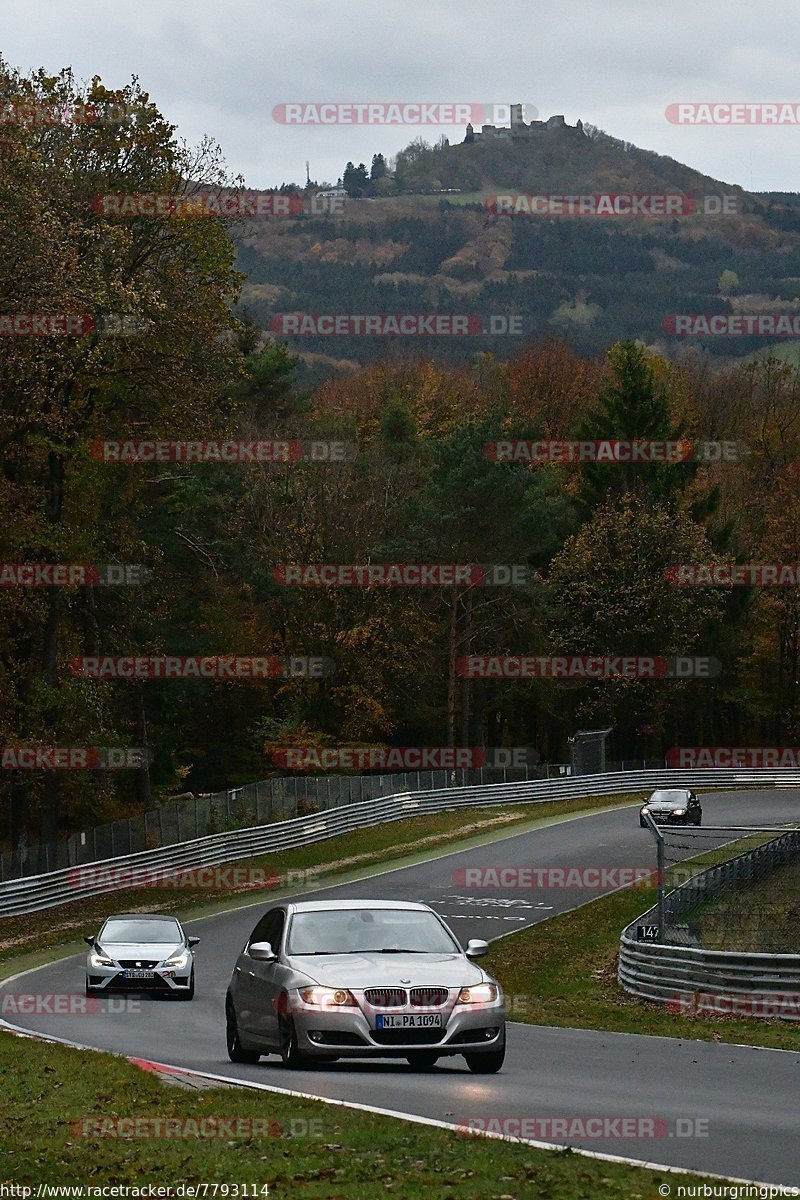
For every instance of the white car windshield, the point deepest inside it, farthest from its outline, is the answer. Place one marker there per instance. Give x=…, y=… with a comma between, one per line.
x=131, y=930
x=386, y=931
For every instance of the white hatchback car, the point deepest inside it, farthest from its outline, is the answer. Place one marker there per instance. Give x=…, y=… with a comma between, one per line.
x=136, y=952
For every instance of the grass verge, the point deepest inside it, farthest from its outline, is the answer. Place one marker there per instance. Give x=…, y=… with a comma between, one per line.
x=762, y=917
x=312, y=1150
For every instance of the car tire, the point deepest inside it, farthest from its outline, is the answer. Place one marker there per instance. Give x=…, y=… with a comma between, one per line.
x=643, y=823
x=236, y=1052
x=90, y=991
x=699, y=819
x=189, y=993
x=422, y=1060
x=486, y=1062
x=291, y=1057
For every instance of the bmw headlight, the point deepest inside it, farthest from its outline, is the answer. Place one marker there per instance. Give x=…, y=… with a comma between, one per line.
x=100, y=960
x=178, y=960
x=322, y=997
x=481, y=993
x=679, y=812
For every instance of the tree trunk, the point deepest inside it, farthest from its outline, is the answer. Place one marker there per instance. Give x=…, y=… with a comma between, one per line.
x=49, y=811
x=465, y=683
x=451, y=673
x=144, y=795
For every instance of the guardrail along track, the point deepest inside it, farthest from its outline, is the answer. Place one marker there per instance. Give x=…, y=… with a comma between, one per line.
x=36, y=892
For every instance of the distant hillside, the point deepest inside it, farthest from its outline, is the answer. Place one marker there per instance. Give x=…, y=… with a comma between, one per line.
x=428, y=244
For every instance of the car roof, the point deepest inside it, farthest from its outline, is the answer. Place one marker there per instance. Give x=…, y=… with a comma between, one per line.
x=298, y=906
x=143, y=917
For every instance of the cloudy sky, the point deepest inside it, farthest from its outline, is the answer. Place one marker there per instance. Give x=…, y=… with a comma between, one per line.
x=220, y=67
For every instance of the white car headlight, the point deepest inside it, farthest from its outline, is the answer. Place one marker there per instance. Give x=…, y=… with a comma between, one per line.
x=178, y=960
x=100, y=960
x=481, y=993
x=679, y=812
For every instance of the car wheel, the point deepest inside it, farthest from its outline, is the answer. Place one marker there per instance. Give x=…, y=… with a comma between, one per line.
x=290, y=1055
x=643, y=823
x=488, y=1062
x=90, y=991
x=236, y=1053
x=699, y=819
x=422, y=1059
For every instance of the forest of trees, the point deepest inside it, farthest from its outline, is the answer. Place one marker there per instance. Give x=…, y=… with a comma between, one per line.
x=420, y=488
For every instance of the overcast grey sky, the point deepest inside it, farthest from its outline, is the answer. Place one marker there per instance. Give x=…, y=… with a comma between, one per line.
x=220, y=66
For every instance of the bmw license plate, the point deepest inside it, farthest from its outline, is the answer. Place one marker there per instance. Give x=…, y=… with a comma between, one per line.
x=138, y=974
x=409, y=1021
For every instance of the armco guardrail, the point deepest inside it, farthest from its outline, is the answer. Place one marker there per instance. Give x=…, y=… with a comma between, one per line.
x=667, y=972
x=260, y=803
x=37, y=892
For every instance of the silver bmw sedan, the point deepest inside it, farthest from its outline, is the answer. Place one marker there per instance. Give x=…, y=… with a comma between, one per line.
x=320, y=980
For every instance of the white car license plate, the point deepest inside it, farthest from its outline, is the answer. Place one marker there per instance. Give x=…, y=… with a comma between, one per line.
x=409, y=1021
x=138, y=974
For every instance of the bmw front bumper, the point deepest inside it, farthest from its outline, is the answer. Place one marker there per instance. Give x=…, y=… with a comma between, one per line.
x=353, y=1031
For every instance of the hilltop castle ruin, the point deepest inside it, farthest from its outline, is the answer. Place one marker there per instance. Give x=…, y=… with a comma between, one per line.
x=521, y=129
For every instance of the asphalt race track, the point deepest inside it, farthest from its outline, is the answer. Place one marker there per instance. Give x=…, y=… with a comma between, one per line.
x=749, y=1098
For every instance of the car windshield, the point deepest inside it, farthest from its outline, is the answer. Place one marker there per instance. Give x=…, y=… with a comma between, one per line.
x=671, y=796
x=387, y=930
x=129, y=929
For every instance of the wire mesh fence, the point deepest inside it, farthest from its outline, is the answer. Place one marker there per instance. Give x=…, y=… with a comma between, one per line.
x=261, y=803
x=730, y=888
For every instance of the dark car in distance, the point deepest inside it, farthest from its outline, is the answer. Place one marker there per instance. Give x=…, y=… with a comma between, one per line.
x=672, y=806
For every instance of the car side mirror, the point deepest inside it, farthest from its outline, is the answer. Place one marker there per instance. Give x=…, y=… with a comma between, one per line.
x=476, y=948
x=193, y=941
x=262, y=952
x=88, y=939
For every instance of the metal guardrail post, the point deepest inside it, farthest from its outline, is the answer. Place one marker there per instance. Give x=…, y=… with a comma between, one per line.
x=660, y=871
